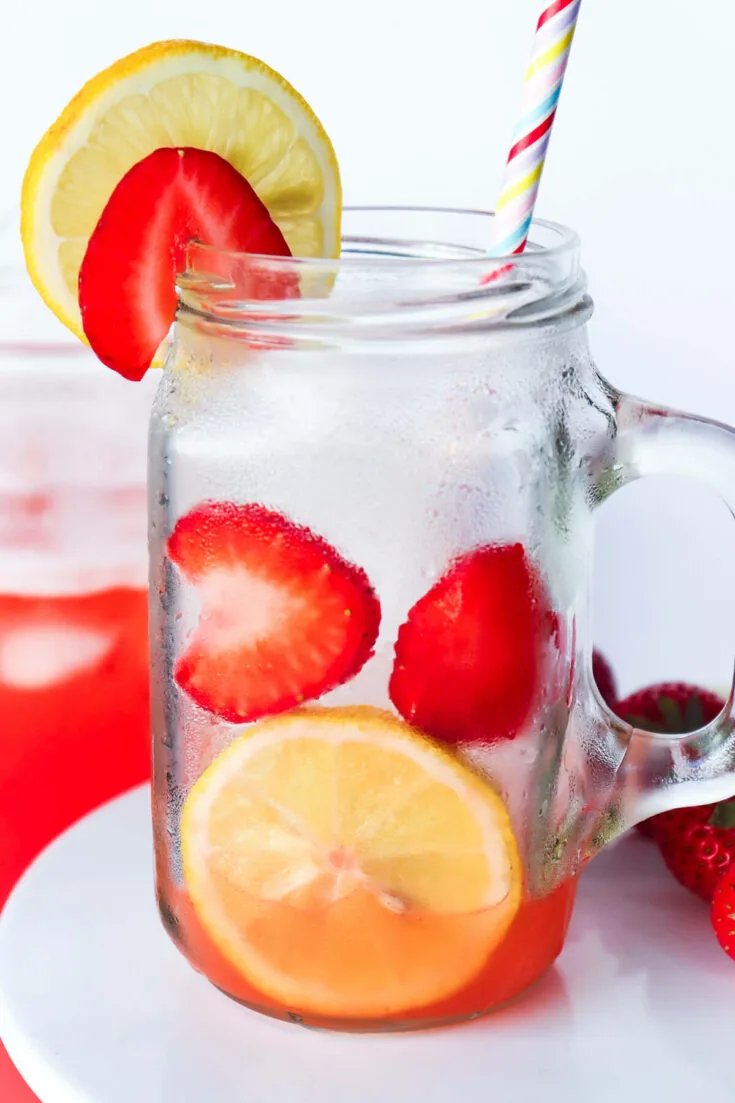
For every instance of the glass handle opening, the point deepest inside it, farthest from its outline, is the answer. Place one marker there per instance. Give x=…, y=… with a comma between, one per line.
x=661, y=772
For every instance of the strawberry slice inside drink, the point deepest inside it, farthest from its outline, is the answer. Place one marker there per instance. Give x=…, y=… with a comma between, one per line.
x=474, y=653
x=127, y=292
x=284, y=618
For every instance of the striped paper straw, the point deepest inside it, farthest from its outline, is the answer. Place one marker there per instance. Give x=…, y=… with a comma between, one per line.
x=542, y=88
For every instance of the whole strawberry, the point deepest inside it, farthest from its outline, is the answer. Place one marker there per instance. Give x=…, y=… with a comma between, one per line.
x=672, y=708
x=723, y=913
x=605, y=679
x=698, y=845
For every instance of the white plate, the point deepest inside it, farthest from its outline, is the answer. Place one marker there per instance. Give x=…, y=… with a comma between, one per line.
x=96, y=1005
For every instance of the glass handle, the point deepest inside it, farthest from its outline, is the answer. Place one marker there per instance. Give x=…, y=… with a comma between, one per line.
x=660, y=772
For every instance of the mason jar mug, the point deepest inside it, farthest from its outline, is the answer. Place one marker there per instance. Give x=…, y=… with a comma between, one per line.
x=380, y=760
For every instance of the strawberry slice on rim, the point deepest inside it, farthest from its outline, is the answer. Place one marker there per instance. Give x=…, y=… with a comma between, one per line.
x=284, y=618
x=127, y=292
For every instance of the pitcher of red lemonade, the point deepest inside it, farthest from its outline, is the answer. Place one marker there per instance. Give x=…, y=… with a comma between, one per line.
x=380, y=761
x=74, y=711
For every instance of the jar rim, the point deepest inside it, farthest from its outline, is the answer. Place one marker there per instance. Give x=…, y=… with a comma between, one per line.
x=403, y=271
x=550, y=239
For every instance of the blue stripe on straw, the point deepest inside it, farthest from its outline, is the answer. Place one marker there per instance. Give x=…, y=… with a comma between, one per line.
x=531, y=120
x=505, y=248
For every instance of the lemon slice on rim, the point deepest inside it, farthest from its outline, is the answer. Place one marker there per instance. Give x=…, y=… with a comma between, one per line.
x=175, y=93
x=346, y=865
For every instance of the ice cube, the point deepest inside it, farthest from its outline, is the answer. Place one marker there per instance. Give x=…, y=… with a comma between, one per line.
x=38, y=656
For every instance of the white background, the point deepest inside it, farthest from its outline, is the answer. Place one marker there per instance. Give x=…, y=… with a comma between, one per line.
x=419, y=97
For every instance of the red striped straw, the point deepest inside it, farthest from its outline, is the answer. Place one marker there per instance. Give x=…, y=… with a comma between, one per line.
x=526, y=160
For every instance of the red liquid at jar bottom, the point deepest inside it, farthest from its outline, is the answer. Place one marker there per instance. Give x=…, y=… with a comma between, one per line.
x=532, y=944
x=75, y=713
